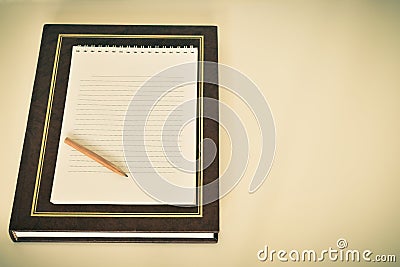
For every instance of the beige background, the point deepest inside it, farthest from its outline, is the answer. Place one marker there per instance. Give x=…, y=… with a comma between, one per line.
x=330, y=72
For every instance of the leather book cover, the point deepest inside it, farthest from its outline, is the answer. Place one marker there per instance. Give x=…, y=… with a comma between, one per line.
x=35, y=218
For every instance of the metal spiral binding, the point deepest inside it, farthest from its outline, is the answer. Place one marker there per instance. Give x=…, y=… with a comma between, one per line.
x=134, y=49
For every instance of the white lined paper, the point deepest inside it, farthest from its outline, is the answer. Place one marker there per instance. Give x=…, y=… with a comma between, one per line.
x=101, y=86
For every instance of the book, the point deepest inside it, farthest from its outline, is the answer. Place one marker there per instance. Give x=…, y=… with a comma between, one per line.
x=127, y=93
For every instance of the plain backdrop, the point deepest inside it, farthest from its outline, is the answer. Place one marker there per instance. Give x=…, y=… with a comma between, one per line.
x=330, y=73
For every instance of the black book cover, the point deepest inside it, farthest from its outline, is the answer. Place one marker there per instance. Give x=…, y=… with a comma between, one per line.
x=34, y=217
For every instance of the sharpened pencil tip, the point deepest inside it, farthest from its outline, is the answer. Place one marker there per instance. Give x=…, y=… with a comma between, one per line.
x=126, y=175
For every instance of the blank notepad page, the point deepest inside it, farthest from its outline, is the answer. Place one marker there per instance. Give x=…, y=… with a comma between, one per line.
x=101, y=86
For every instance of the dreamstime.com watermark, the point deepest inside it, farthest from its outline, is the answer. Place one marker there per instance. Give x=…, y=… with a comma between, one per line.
x=339, y=254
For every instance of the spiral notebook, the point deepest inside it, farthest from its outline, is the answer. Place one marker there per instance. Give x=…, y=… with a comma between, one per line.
x=102, y=84
x=92, y=85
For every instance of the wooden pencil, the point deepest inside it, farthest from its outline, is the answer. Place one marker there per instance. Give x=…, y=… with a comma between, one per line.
x=94, y=156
